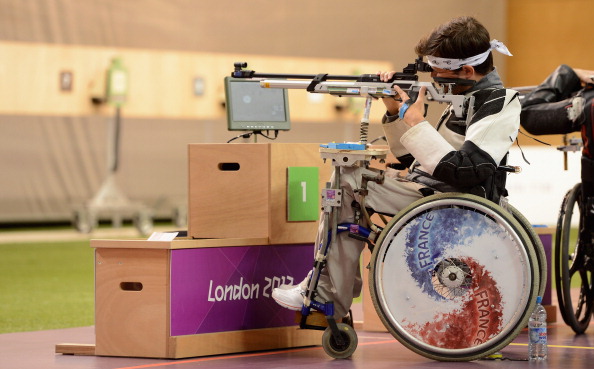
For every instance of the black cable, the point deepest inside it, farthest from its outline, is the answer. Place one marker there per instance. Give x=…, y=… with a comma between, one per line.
x=249, y=134
x=268, y=137
x=243, y=135
x=379, y=139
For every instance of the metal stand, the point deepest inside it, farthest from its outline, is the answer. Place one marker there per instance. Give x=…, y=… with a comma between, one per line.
x=569, y=145
x=110, y=201
x=339, y=339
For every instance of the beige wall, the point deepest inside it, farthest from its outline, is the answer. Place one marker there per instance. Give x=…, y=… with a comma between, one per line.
x=161, y=81
x=546, y=33
x=166, y=44
x=61, y=139
x=543, y=34
x=342, y=29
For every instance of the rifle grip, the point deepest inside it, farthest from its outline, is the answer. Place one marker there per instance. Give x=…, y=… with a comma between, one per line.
x=413, y=95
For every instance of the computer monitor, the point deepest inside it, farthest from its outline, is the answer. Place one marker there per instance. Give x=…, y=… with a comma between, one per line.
x=253, y=108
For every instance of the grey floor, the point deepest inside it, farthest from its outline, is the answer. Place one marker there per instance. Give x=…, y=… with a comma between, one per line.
x=36, y=350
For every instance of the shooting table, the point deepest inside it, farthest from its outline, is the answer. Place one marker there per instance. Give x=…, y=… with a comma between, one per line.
x=209, y=294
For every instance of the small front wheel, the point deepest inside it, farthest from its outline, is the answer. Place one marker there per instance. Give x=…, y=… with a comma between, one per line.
x=340, y=350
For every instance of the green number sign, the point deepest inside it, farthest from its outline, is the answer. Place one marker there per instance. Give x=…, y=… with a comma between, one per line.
x=303, y=194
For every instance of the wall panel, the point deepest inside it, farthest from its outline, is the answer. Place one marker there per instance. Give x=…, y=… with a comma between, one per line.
x=544, y=34
x=160, y=81
x=345, y=29
x=60, y=138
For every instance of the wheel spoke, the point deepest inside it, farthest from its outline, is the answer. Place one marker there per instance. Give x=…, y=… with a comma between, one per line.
x=576, y=260
x=580, y=303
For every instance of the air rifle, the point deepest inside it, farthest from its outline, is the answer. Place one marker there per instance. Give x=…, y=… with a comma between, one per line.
x=368, y=85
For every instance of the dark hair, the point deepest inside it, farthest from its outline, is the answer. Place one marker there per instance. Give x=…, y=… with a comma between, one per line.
x=459, y=38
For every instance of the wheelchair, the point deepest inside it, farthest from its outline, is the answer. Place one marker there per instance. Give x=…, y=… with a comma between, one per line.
x=453, y=277
x=574, y=254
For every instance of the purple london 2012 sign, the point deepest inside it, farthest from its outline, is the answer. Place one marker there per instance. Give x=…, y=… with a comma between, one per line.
x=228, y=288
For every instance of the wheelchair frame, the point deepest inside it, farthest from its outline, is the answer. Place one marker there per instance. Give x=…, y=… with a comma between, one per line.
x=574, y=263
x=339, y=339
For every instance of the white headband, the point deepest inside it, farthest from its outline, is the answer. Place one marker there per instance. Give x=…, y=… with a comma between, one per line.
x=453, y=64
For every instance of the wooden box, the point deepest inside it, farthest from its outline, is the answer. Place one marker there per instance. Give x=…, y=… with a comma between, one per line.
x=188, y=298
x=240, y=190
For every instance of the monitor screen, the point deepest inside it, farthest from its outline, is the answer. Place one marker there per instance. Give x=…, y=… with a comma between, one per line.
x=253, y=108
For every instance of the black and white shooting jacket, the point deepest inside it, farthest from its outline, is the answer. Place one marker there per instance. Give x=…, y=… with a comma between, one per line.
x=456, y=155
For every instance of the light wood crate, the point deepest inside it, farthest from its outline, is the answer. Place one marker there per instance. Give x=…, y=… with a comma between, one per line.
x=134, y=304
x=251, y=201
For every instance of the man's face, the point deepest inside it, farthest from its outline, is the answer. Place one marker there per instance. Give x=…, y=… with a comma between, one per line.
x=446, y=73
x=456, y=74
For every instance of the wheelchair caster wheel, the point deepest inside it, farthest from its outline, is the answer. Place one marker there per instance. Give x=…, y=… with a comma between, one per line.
x=336, y=350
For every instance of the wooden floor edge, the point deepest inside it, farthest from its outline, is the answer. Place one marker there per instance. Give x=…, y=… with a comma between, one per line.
x=80, y=349
x=83, y=349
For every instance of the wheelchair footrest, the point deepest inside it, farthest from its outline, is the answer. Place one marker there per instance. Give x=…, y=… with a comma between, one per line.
x=315, y=318
x=318, y=319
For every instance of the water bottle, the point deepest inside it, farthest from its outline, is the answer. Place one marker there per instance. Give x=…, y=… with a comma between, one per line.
x=537, y=333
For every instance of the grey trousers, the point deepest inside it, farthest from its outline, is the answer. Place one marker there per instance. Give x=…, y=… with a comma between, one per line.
x=340, y=281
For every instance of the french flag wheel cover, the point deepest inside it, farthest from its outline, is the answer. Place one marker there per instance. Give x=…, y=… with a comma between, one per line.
x=454, y=277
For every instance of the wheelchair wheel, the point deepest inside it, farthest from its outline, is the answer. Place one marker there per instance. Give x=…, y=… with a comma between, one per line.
x=346, y=348
x=571, y=267
x=454, y=277
x=538, y=248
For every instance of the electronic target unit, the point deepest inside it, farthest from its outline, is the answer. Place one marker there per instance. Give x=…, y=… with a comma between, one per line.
x=253, y=108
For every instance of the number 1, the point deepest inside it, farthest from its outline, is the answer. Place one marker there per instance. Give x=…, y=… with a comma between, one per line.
x=304, y=187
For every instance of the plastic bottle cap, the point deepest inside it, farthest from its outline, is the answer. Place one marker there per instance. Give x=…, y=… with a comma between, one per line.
x=538, y=299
